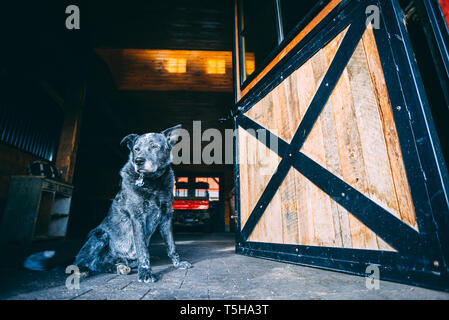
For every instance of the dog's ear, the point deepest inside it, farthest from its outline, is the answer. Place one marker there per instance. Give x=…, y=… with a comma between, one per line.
x=172, y=134
x=129, y=140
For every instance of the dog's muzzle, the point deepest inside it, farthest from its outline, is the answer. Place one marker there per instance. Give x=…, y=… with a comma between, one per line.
x=139, y=161
x=141, y=165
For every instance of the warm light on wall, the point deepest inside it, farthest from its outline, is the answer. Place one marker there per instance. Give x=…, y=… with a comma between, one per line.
x=176, y=65
x=169, y=70
x=250, y=64
x=216, y=66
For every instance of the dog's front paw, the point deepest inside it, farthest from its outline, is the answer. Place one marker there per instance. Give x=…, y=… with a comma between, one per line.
x=84, y=273
x=146, y=275
x=182, y=265
x=123, y=269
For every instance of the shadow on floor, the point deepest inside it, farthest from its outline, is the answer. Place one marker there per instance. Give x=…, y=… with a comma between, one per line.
x=15, y=279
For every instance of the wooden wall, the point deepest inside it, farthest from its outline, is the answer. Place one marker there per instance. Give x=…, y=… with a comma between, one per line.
x=164, y=70
x=354, y=138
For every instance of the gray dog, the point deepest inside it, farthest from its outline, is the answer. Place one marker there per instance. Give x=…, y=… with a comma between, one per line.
x=144, y=203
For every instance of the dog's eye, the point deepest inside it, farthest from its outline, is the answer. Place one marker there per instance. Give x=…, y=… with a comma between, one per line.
x=136, y=149
x=155, y=146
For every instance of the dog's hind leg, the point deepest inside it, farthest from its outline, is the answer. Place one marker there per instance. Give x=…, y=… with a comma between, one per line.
x=166, y=231
x=95, y=254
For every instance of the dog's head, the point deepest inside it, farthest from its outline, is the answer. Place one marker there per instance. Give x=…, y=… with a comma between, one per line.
x=151, y=151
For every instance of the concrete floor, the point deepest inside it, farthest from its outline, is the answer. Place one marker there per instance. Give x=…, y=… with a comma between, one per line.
x=218, y=273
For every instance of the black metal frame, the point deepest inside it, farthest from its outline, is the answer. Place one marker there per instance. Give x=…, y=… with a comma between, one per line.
x=421, y=257
x=438, y=39
x=283, y=39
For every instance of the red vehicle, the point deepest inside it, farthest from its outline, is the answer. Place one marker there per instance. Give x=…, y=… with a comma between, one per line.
x=191, y=205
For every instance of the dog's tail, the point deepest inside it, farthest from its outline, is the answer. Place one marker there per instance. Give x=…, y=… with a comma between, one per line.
x=95, y=254
x=39, y=261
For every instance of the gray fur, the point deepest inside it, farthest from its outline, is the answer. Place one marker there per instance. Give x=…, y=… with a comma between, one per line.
x=124, y=235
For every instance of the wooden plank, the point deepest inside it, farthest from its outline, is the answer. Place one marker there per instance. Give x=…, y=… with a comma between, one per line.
x=378, y=173
x=329, y=149
x=350, y=154
x=281, y=115
x=270, y=111
x=380, y=184
x=325, y=214
x=244, y=175
x=401, y=185
x=322, y=211
x=256, y=113
x=68, y=141
x=306, y=88
x=339, y=214
x=257, y=165
x=301, y=35
x=306, y=230
x=270, y=225
x=287, y=190
x=289, y=209
x=255, y=183
x=294, y=115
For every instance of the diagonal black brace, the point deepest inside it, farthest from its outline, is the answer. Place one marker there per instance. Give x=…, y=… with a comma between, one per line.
x=391, y=229
x=379, y=220
x=333, y=74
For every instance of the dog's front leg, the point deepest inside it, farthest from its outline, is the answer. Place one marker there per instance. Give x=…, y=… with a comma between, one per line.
x=167, y=234
x=144, y=272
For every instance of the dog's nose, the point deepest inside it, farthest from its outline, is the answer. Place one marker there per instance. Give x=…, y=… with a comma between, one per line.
x=139, y=160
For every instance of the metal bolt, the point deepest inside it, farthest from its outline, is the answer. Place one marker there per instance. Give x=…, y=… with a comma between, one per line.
x=342, y=194
x=436, y=264
x=327, y=84
x=398, y=108
x=297, y=249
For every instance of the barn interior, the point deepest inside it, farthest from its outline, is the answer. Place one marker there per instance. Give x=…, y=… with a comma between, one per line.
x=124, y=71
x=69, y=96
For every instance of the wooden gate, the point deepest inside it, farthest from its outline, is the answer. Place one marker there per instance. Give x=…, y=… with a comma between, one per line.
x=338, y=165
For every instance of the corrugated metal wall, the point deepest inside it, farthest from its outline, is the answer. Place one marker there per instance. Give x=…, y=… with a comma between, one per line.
x=29, y=131
x=31, y=123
